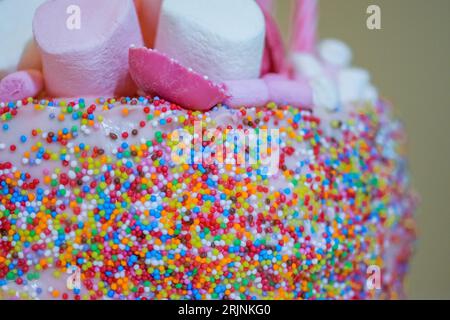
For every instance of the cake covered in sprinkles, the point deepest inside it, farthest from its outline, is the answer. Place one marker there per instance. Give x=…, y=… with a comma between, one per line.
x=138, y=225
x=218, y=165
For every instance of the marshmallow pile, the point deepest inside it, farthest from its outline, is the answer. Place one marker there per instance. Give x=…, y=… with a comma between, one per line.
x=206, y=52
x=333, y=80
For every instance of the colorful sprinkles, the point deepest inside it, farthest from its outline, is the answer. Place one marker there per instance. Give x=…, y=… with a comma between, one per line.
x=139, y=226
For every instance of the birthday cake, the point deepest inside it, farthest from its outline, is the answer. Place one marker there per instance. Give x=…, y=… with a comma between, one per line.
x=177, y=149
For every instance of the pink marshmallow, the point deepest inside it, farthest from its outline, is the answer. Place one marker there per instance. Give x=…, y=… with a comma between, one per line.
x=20, y=85
x=157, y=74
x=272, y=88
x=247, y=93
x=91, y=60
x=30, y=59
x=295, y=93
x=275, y=76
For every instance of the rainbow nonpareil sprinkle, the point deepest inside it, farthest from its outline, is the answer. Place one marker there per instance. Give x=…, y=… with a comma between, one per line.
x=97, y=189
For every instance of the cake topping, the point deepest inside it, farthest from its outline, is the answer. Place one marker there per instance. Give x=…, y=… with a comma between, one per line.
x=304, y=30
x=274, y=59
x=334, y=82
x=223, y=40
x=266, y=5
x=308, y=65
x=148, y=12
x=21, y=85
x=335, y=53
x=270, y=88
x=155, y=73
x=354, y=86
x=201, y=56
x=90, y=60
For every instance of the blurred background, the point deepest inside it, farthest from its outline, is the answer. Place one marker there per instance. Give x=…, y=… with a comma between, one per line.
x=409, y=60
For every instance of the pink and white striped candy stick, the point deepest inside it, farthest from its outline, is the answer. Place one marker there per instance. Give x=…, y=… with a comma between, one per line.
x=304, y=31
x=266, y=4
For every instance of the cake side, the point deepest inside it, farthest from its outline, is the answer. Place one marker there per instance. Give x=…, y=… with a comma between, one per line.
x=97, y=186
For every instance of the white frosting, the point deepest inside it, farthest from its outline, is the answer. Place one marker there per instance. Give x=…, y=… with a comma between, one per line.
x=223, y=40
x=335, y=53
x=18, y=49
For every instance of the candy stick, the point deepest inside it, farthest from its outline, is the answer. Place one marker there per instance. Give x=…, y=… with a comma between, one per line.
x=148, y=12
x=274, y=59
x=305, y=26
x=266, y=4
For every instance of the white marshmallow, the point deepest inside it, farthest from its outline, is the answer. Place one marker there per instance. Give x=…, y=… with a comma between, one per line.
x=370, y=94
x=307, y=65
x=16, y=34
x=325, y=93
x=335, y=53
x=333, y=82
x=352, y=84
x=222, y=39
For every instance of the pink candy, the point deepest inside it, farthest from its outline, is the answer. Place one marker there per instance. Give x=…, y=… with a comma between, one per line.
x=305, y=26
x=266, y=4
x=157, y=74
x=271, y=88
x=247, y=93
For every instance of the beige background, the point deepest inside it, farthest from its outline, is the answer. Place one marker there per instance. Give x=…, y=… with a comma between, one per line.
x=410, y=63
